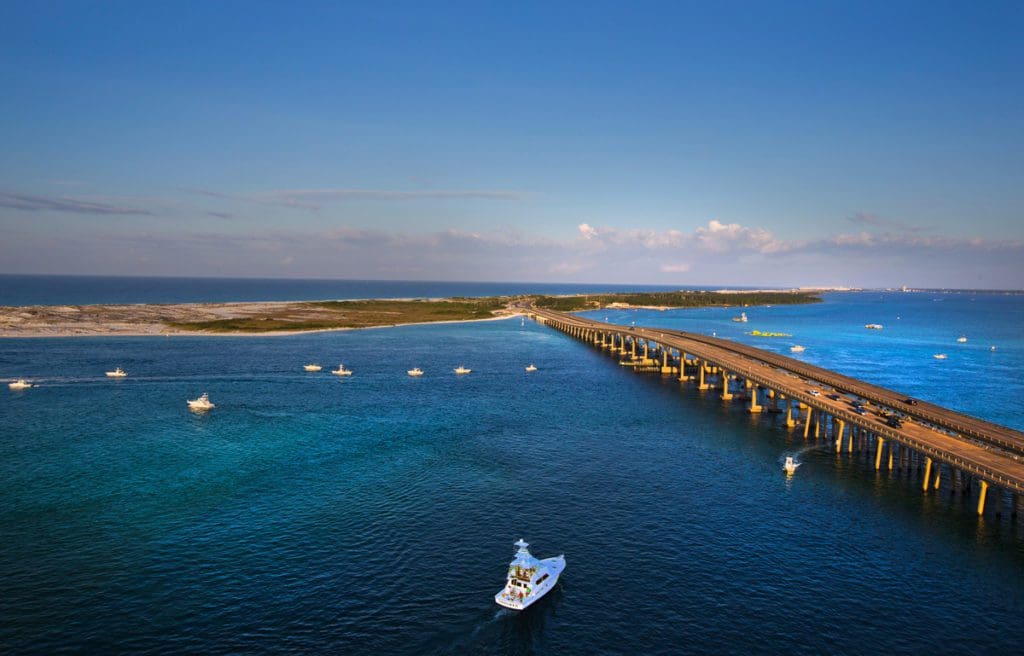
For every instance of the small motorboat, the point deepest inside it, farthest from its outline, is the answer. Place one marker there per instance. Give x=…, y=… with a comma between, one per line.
x=939, y=356
x=19, y=384
x=873, y=326
x=201, y=404
x=790, y=465
x=341, y=371
x=529, y=579
x=961, y=339
x=312, y=367
x=415, y=372
x=460, y=370
x=796, y=348
x=742, y=318
x=992, y=348
x=117, y=373
x=531, y=367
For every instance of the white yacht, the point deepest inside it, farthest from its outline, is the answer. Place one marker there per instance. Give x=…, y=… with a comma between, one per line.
x=962, y=338
x=116, y=373
x=202, y=403
x=415, y=371
x=529, y=579
x=531, y=367
x=939, y=356
x=19, y=384
x=312, y=367
x=790, y=465
x=742, y=318
x=796, y=348
x=341, y=371
x=462, y=370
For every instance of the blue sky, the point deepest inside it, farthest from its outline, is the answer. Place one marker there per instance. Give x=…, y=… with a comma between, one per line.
x=867, y=144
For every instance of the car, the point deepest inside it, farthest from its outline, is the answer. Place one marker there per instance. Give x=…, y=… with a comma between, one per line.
x=814, y=392
x=859, y=410
x=834, y=397
x=894, y=422
x=857, y=403
x=910, y=401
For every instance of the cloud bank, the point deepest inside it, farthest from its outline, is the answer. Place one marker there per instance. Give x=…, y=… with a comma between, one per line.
x=716, y=253
x=75, y=205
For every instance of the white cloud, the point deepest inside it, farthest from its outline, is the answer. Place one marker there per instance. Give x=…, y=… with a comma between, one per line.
x=718, y=253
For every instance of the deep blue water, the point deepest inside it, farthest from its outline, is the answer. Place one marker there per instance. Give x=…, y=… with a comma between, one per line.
x=84, y=290
x=308, y=514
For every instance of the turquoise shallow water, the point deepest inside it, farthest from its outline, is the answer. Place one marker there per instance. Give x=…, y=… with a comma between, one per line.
x=377, y=514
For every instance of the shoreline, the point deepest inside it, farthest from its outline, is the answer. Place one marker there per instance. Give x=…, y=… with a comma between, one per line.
x=282, y=318
x=269, y=333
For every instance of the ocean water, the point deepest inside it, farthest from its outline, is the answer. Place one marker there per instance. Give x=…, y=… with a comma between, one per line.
x=84, y=290
x=376, y=514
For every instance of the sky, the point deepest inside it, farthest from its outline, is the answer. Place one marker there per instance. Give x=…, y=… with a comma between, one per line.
x=868, y=144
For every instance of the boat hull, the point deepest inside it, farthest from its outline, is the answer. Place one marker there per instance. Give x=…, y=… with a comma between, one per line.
x=554, y=567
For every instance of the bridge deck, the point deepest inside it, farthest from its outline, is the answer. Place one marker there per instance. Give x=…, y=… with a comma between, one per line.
x=988, y=450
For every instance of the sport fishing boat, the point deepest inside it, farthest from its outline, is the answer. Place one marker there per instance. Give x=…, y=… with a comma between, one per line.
x=529, y=579
x=531, y=367
x=462, y=370
x=202, y=403
x=19, y=384
x=312, y=367
x=116, y=373
x=415, y=372
x=341, y=371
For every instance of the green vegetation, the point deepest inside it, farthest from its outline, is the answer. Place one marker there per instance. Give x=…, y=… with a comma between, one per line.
x=680, y=299
x=328, y=315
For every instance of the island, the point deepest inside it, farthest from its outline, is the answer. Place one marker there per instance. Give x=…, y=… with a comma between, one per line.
x=288, y=317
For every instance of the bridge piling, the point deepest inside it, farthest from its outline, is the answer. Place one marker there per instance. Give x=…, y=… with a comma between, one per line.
x=933, y=437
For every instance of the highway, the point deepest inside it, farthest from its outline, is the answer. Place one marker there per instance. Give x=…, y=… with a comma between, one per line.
x=992, y=452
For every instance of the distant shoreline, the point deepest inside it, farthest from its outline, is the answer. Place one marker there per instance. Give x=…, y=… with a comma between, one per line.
x=247, y=319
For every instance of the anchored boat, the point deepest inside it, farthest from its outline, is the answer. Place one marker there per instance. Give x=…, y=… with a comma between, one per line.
x=202, y=403
x=462, y=370
x=312, y=367
x=531, y=367
x=529, y=579
x=341, y=371
x=415, y=371
x=796, y=348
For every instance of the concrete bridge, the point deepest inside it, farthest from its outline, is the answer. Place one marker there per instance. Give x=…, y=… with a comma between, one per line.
x=971, y=454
